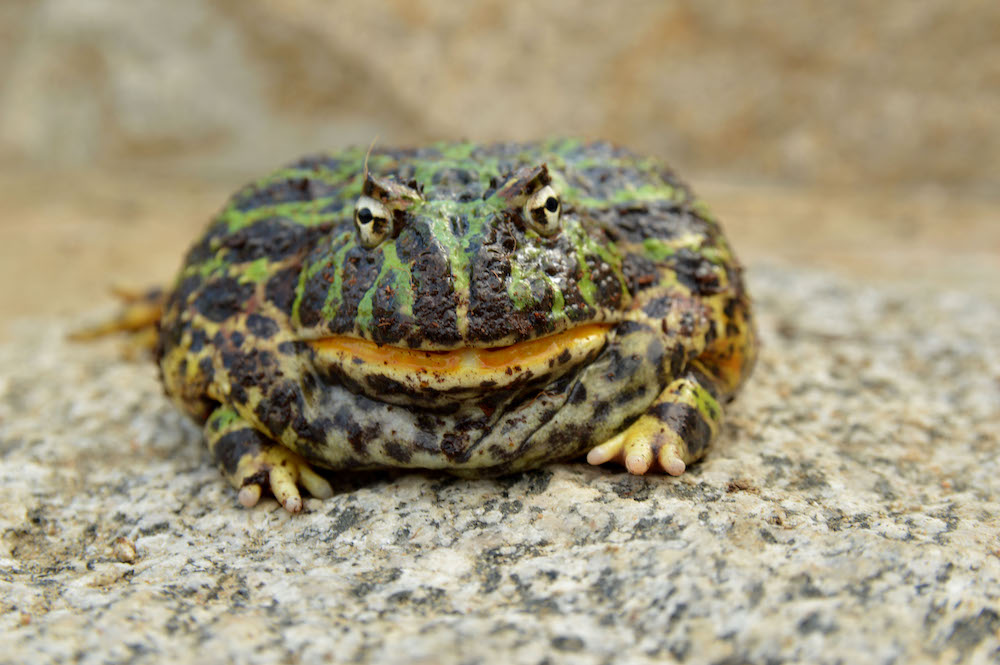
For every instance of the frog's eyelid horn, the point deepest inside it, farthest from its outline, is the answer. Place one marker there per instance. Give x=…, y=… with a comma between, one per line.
x=530, y=190
x=380, y=210
x=369, y=154
x=523, y=183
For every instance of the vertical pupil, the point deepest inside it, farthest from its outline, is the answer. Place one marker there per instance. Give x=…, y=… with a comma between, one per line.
x=551, y=204
x=364, y=215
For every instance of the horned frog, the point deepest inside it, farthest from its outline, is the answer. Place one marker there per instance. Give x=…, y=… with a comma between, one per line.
x=480, y=309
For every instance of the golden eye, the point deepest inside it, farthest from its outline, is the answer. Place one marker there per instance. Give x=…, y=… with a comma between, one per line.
x=543, y=210
x=372, y=220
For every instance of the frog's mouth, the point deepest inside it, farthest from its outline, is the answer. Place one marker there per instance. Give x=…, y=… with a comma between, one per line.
x=407, y=376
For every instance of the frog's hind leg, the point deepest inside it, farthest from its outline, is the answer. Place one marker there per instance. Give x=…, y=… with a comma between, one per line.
x=252, y=462
x=139, y=315
x=673, y=432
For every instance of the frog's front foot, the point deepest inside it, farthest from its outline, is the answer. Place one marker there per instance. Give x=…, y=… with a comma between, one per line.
x=252, y=463
x=280, y=470
x=645, y=443
x=674, y=432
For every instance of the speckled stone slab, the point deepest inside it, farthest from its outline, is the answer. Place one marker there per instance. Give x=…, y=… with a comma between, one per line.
x=848, y=515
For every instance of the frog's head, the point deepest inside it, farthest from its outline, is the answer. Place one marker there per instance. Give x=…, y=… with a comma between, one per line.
x=444, y=290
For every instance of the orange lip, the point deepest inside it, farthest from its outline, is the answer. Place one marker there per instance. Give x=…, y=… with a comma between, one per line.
x=463, y=368
x=529, y=352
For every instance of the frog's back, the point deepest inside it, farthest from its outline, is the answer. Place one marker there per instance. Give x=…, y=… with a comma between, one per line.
x=252, y=255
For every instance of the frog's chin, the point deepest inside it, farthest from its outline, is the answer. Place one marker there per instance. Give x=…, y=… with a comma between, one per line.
x=407, y=376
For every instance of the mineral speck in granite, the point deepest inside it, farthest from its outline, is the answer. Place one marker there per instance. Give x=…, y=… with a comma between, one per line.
x=849, y=514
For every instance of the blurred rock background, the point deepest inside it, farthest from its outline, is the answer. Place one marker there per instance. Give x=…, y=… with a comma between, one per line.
x=859, y=136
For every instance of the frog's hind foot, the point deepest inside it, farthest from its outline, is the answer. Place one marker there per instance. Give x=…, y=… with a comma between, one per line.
x=138, y=315
x=252, y=463
x=674, y=432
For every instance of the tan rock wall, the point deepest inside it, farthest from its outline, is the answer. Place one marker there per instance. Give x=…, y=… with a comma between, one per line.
x=897, y=92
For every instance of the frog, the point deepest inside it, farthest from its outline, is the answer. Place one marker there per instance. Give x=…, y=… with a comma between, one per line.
x=480, y=309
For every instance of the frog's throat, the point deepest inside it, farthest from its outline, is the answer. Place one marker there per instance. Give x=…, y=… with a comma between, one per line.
x=459, y=373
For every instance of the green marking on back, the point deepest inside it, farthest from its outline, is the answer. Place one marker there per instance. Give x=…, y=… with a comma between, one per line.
x=525, y=270
x=658, y=249
x=216, y=265
x=585, y=246
x=307, y=213
x=257, y=271
x=661, y=249
x=223, y=418
x=342, y=243
x=346, y=180
x=394, y=275
x=476, y=213
x=456, y=156
x=333, y=295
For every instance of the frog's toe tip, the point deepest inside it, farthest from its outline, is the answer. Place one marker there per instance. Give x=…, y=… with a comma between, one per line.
x=637, y=463
x=672, y=465
x=602, y=453
x=292, y=504
x=315, y=484
x=249, y=495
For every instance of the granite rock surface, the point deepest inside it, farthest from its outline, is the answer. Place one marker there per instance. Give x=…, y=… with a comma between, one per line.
x=849, y=514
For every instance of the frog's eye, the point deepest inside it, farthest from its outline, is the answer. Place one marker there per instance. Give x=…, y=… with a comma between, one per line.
x=543, y=209
x=373, y=221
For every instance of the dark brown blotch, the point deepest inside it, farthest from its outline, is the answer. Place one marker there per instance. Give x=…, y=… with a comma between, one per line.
x=294, y=348
x=606, y=279
x=695, y=272
x=261, y=326
x=634, y=222
x=455, y=446
x=359, y=437
x=491, y=314
x=397, y=452
x=297, y=189
x=279, y=407
x=687, y=422
x=198, y=339
x=640, y=272
x=578, y=395
x=229, y=448
x=359, y=272
x=207, y=245
x=312, y=432
x=222, y=298
x=280, y=289
x=390, y=325
x=658, y=308
x=434, y=297
x=274, y=238
x=206, y=370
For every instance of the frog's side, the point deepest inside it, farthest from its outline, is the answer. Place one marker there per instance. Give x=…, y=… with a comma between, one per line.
x=605, y=256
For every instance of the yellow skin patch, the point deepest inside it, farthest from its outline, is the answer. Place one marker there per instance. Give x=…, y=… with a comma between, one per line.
x=466, y=368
